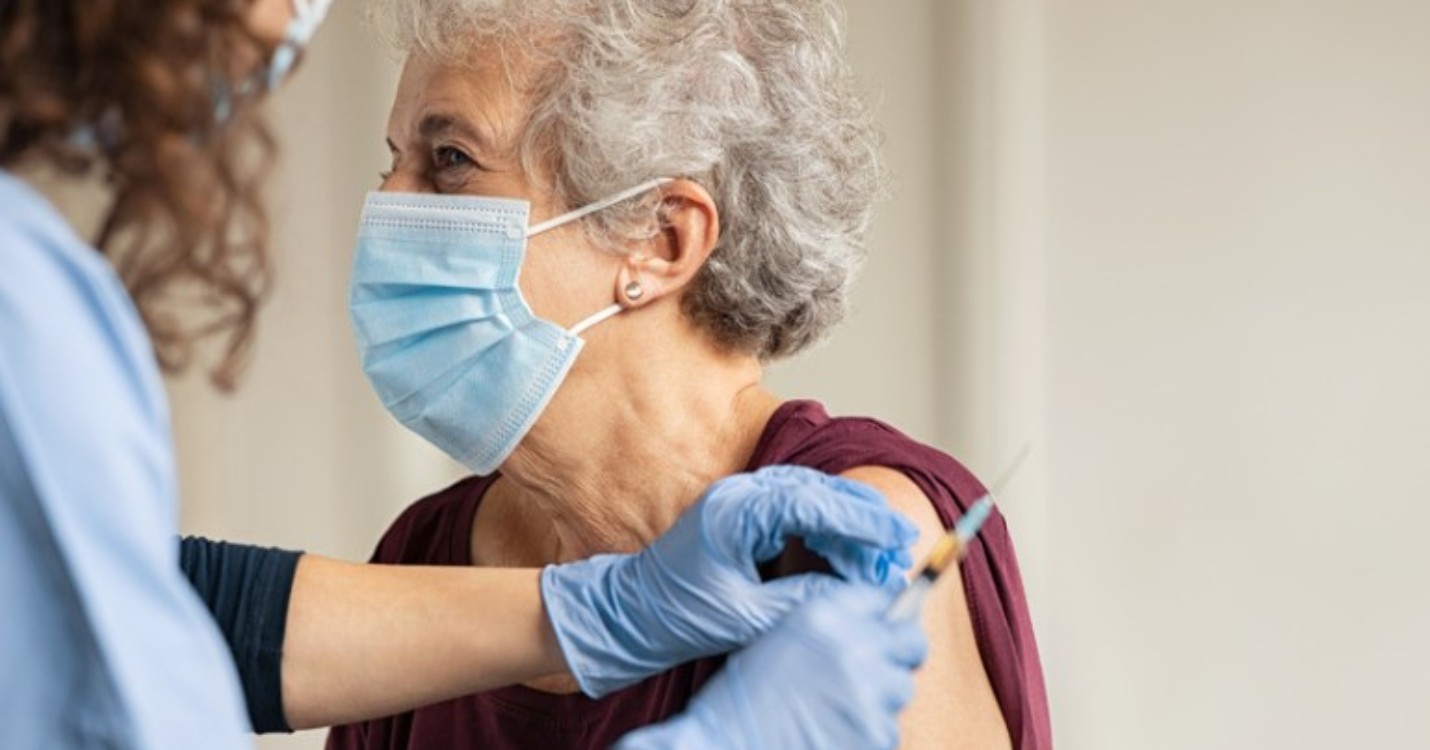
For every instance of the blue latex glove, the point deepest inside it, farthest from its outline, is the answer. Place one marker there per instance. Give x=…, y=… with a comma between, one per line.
x=696, y=591
x=835, y=674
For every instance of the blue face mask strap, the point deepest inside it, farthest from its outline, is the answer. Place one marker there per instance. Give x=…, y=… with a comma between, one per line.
x=308, y=15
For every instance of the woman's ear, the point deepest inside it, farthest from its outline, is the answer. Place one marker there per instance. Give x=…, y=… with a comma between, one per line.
x=668, y=262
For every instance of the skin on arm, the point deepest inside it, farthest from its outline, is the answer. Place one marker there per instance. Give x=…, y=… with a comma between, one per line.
x=374, y=640
x=953, y=706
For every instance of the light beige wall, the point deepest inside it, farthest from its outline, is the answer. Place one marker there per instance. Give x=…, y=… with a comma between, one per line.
x=1239, y=356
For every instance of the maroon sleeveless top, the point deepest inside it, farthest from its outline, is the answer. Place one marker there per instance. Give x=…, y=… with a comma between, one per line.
x=437, y=531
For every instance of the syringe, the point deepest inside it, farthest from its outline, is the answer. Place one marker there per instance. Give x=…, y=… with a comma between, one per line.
x=946, y=554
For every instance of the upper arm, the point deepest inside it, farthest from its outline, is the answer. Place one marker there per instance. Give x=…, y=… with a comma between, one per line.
x=247, y=590
x=953, y=706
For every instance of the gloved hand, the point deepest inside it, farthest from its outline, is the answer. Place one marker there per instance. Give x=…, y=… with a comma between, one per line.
x=696, y=592
x=835, y=674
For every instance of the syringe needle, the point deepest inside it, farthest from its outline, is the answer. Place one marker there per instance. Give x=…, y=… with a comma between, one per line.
x=946, y=554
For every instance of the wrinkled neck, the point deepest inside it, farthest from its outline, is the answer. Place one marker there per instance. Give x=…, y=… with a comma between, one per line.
x=629, y=444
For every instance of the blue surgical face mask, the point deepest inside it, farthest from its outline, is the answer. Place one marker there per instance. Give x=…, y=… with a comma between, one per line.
x=445, y=336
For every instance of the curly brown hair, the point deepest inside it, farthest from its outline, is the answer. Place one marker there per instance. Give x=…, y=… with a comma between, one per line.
x=186, y=230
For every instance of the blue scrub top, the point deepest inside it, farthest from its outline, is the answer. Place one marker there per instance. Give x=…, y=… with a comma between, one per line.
x=103, y=643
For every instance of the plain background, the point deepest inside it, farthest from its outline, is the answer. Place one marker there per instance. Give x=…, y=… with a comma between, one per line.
x=1180, y=248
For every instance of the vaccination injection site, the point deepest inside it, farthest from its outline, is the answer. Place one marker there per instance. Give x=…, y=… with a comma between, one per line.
x=707, y=374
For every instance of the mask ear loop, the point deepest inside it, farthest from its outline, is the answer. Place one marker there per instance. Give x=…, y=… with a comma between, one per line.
x=308, y=15
x=583, y=212
x=592, y=208
x=599, y=317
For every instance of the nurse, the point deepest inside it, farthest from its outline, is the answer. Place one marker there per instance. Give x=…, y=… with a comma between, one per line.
x=103, y=642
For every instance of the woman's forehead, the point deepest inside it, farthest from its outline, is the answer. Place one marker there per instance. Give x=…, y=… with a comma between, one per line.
x=477, y=92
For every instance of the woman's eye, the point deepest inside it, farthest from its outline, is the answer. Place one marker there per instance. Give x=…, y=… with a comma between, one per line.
x=447, y=157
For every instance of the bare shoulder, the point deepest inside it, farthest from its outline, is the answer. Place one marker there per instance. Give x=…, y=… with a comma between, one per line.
x=954, y=706
x=906, y=497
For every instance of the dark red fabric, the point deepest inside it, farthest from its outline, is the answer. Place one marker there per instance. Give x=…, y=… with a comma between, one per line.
x=437, y=530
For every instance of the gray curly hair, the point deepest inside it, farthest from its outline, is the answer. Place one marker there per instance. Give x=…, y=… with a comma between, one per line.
x=752, y=99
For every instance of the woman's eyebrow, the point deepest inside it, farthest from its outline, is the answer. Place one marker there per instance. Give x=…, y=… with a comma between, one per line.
x=437, y=124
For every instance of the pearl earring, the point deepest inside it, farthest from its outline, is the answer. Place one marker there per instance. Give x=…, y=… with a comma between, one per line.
x=634, y=291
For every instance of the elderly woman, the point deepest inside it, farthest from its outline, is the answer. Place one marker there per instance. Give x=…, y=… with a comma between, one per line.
x=602, y=218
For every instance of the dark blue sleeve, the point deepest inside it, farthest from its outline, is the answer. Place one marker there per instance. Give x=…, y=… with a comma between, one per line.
x=247, y=590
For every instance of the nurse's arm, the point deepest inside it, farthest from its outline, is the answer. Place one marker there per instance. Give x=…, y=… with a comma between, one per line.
x=366, y=641
x=320, y=642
